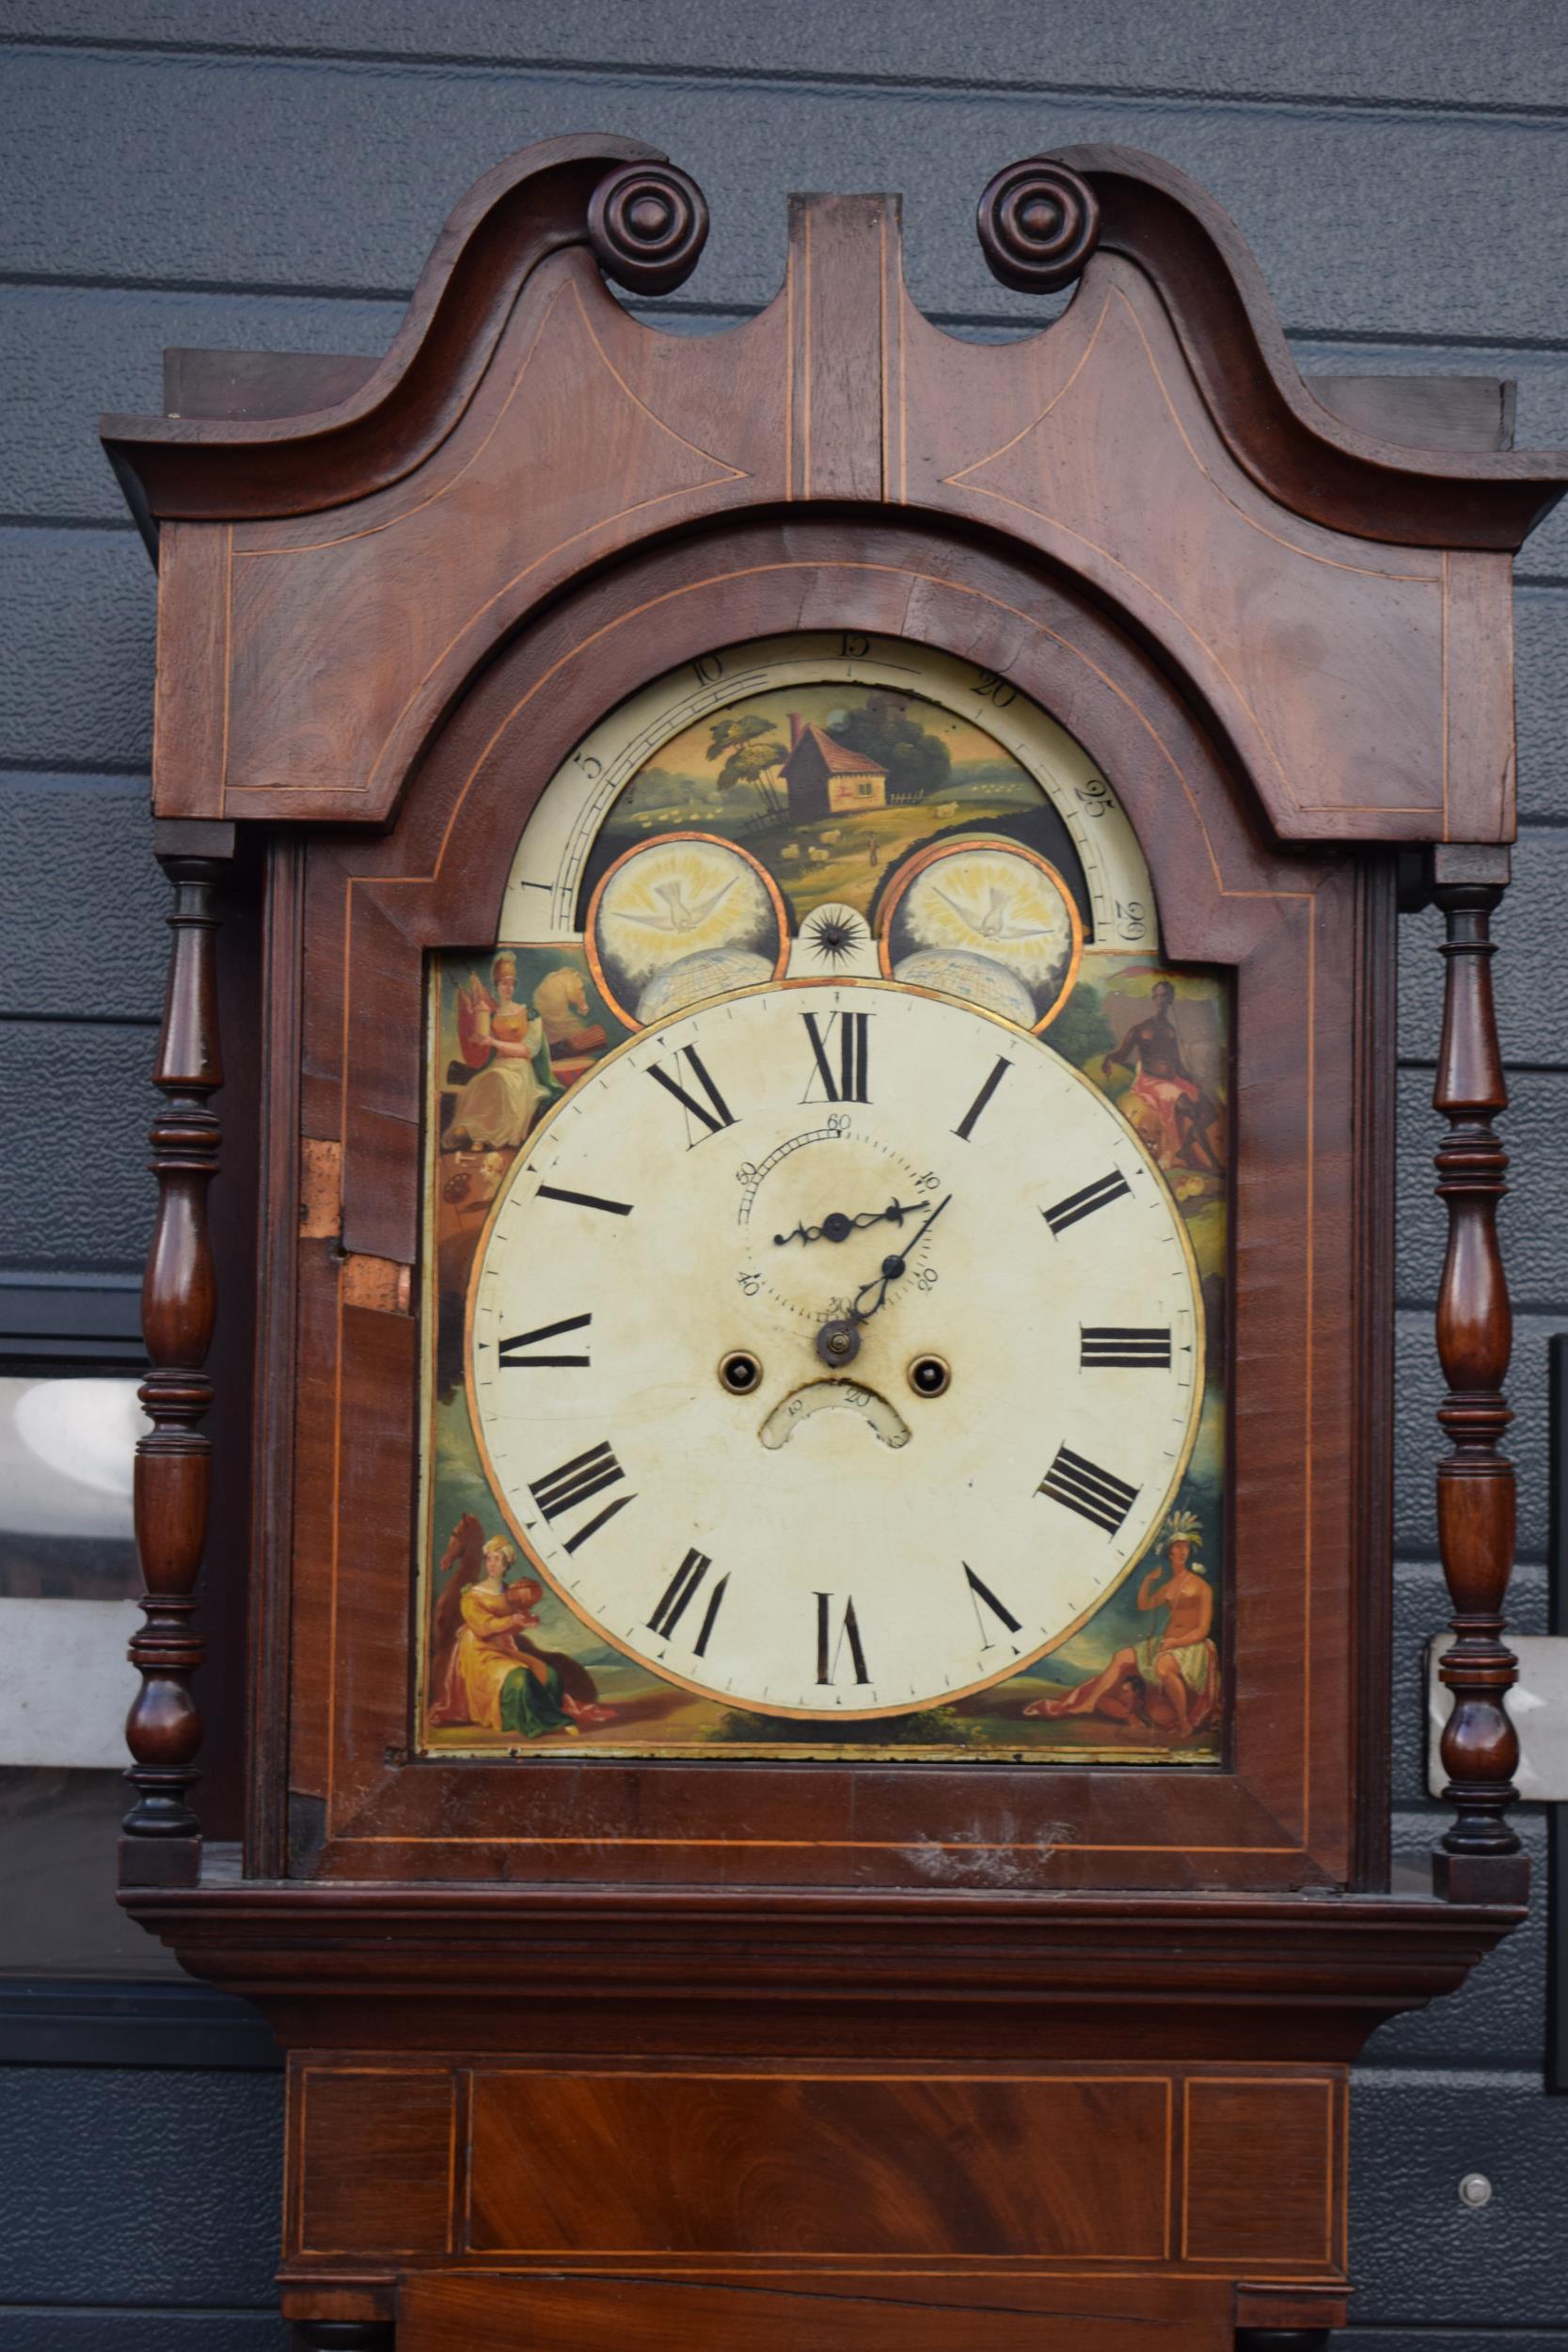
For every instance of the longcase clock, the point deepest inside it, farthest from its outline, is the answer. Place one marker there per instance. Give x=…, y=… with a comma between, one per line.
x=802, y=1282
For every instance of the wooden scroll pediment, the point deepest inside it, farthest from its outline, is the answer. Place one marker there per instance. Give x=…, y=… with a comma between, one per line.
x=1156, y=442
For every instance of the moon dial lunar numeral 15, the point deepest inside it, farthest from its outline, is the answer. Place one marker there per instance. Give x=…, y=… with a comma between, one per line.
x=834, y=1539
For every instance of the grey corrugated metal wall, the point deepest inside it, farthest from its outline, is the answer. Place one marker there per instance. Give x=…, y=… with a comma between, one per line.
x=272, y=172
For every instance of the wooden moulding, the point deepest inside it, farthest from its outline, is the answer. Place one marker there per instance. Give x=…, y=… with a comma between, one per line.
x=1040, y=223
x=1156, y=441
x=531, y=204
x=612, y=1967
x=1304, y=452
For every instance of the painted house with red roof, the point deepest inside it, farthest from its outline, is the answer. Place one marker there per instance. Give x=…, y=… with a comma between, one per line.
x=826, y=779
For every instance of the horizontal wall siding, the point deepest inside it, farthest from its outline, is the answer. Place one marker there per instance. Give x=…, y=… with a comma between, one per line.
x=271, y=173
x=1421, y=53
x=327, y=176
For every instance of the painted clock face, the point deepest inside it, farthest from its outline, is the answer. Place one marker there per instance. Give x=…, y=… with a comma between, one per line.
x=834, y=1347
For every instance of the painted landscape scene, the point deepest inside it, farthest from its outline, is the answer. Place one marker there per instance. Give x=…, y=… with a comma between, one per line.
x=831, y=787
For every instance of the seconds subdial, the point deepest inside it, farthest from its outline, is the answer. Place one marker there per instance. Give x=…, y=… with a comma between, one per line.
x=855, y=1196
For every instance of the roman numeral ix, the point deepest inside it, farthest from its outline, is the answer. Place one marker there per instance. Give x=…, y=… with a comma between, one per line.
x=578, y=1481
x=1094, y=1493
x=711, y=1116
x=512, y=1354
x=682, y=1588
x=848, y=1083
x=1099, y=1195
x=831, y=1650
x=1125, y=1345
x=584, y=1199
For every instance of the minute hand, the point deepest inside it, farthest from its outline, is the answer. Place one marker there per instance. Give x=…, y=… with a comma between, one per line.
x=892, y=1268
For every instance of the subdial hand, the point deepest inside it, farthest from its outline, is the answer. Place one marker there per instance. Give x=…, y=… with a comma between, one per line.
x=838, y=1343
x=838, y=1225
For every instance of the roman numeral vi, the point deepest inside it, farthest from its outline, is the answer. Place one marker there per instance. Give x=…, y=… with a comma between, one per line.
x=829, y=1649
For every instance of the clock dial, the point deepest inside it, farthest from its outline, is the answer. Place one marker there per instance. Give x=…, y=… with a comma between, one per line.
x=834, y=1348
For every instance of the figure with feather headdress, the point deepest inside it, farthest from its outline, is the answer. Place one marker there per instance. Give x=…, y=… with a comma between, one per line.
x=486, y=1670
x=1171, y=1680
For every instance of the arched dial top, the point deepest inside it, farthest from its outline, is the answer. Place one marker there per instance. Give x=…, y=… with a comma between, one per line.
x=543, y=887
x=834, y=1348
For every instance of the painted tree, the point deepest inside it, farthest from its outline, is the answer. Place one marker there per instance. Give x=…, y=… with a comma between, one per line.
x=753, y=755
x=915, y=762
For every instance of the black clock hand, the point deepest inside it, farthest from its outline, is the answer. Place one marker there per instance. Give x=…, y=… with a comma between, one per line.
x=892, y=1268
x=838, y=1343
x=838, y=1226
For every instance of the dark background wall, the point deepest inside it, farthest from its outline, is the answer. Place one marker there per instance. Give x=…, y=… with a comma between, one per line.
x=272, y=172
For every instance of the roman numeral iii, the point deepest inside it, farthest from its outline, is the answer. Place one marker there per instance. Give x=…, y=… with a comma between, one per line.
x=514, y=1355
x=681, y=1589
x=578, y=1481
x=1099, y=1195
x=847, y=1083
x=1094, y=1493
x=1124, y=1344
x=830, y=1645
x=710, y=1116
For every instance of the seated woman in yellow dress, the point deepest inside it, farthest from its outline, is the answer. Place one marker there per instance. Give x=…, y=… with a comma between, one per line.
x=505, y=1044
x=493, y=1676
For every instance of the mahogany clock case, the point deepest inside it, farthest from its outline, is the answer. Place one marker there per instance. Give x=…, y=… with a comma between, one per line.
x=1283, y=640
x=392, y=599
x=1307, y=941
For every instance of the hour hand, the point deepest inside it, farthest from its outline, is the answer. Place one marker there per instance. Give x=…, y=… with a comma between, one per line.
x=838, y=1225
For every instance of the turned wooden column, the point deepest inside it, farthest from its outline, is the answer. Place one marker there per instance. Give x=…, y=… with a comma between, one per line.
x=162, y=1840
x=1480, y=1857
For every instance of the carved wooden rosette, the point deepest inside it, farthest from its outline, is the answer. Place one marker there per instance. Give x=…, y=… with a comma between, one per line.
x=162, y=1841
x=1480, y=1858
x=648, y=224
